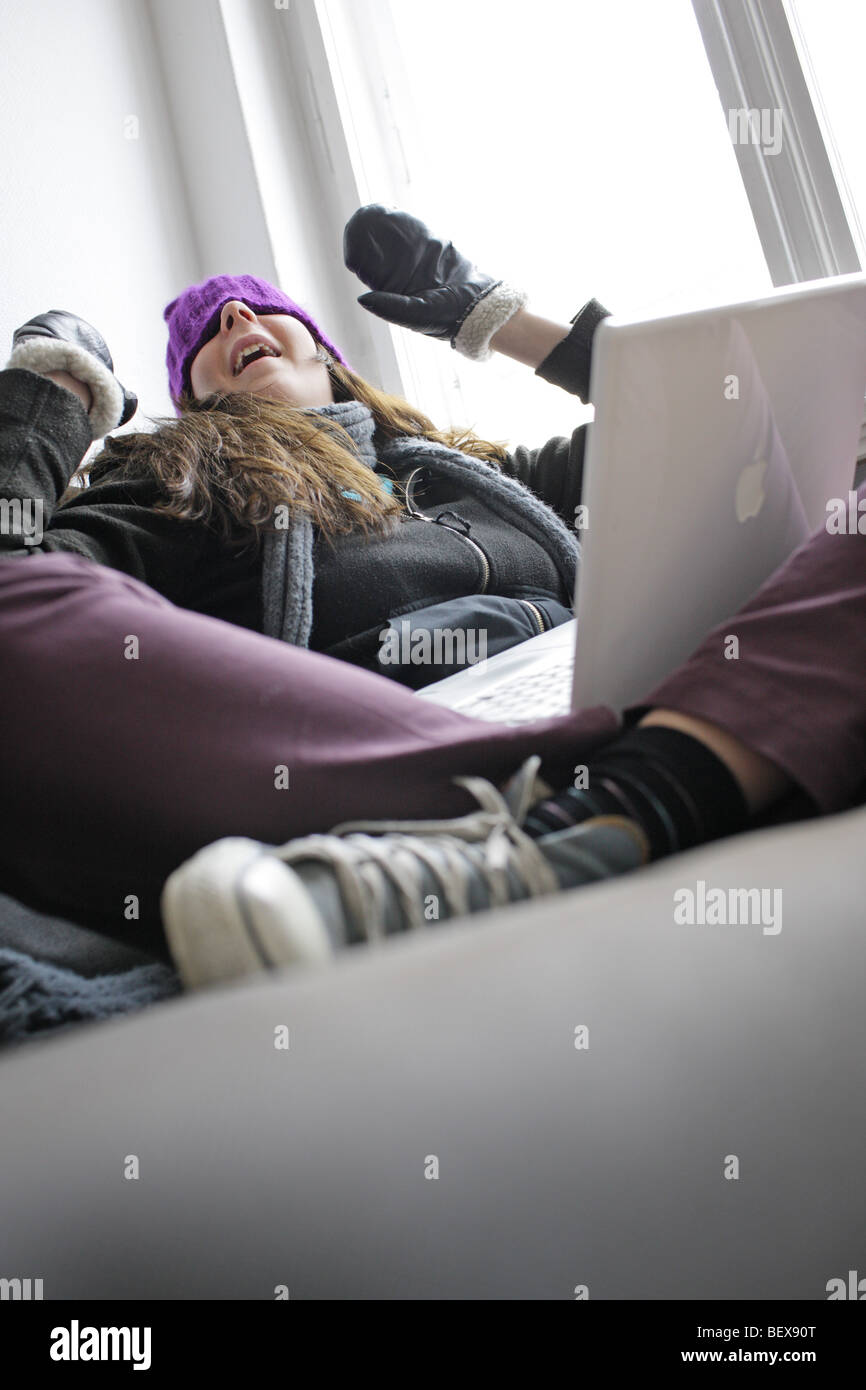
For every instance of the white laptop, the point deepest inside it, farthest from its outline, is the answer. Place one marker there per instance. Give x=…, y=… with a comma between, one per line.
x=719, y=437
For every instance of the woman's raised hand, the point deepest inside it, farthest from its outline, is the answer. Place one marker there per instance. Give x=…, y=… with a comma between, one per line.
x=57, y=341
x=421, y=282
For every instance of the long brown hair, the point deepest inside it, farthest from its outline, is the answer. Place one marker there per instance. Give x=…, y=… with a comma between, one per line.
x=232, y=458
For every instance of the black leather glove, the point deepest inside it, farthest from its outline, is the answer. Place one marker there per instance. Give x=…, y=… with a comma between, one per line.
x=59, y=341
x=420, y=282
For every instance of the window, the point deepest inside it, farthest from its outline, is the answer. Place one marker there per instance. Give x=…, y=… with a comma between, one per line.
x=574, y=150
x=831, y=39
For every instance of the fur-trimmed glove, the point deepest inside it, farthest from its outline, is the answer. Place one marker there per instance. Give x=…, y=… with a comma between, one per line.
x=419, y=281
x=57, y=341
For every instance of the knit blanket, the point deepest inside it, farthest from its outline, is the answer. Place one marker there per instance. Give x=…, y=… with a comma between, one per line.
x=37, y=998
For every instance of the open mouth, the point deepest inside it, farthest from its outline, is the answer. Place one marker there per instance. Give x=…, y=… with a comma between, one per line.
x=254, y=353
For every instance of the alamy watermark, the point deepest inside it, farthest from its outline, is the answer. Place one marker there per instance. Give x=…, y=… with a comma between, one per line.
x=77, y=1343
x=729, y=907
x=751, y=126
x=20, y=1290
x=22, y=517
x=853, y=1288
x=846, y=516
x=438, y=646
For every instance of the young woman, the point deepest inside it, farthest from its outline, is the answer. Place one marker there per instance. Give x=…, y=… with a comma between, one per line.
x=198, y=731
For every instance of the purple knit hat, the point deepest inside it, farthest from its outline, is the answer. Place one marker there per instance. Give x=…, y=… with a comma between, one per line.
x=194, y=317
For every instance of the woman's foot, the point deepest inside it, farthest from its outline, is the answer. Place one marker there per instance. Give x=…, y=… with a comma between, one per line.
x=239, y=907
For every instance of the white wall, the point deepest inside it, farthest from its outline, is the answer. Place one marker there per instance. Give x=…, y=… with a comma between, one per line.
x=227, y=173
x=91, y=221
x=238, y=164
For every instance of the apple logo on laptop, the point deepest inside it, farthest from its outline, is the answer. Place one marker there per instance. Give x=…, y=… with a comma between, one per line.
x=750, y=496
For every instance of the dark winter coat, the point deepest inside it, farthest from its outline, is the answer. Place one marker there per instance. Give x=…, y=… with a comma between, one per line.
x=503, y=535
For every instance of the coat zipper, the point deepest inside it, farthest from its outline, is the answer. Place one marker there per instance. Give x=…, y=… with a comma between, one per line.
x=536, y=613
x=414, y=512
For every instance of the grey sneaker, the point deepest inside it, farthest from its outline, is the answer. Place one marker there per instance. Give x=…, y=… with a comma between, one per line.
x=238, y=907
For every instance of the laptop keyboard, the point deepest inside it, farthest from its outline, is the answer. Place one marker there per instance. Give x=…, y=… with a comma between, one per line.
x=537, y=695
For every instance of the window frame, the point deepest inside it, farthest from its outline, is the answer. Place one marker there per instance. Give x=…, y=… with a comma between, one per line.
x=803, y=212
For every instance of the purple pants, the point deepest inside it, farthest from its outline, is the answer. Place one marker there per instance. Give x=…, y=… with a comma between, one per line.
x=117, y=766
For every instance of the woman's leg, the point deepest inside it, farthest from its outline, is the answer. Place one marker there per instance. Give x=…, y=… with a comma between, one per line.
x=761, y=781
x=135, y=732
x=119, y=763
x=790, y=707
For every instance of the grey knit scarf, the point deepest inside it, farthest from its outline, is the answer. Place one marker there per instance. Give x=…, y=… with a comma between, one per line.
x=287, y=560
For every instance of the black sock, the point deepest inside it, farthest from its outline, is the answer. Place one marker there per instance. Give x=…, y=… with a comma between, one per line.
x=679, y=792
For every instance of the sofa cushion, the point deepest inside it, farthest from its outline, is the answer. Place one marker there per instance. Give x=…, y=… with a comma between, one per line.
x=432, y=1129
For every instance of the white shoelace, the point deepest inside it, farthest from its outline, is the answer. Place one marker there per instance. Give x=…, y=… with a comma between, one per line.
x=483, y=845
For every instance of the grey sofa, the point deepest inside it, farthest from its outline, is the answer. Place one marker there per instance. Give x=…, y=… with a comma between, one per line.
x=606, y=1169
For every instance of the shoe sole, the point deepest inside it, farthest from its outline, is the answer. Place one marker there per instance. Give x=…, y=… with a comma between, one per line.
x=235, y=910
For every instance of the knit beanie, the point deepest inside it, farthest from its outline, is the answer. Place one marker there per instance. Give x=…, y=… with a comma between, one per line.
x=193, y=317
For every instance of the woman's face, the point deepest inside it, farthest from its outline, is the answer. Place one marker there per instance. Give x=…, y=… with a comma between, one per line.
x=291, y=371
